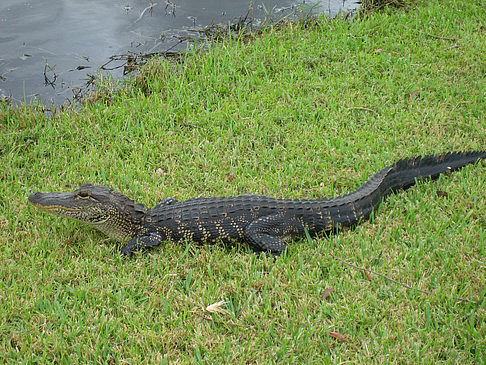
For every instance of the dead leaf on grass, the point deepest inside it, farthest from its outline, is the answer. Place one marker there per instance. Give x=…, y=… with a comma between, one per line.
x=338, y=336
x=413, y=95
x=217, y=307
x=442, y=194
x=327, y=293
x=367, y=274
x=3, y=223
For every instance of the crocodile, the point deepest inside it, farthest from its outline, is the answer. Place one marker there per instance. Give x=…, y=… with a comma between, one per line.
x=265, y=223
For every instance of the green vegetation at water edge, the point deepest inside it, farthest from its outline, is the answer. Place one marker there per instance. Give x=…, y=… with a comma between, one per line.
x=301, y=112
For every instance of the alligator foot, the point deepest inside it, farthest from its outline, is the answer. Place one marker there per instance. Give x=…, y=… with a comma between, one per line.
x=137, y=243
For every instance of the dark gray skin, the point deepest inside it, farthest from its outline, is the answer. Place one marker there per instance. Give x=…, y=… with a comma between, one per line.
x=265, y=223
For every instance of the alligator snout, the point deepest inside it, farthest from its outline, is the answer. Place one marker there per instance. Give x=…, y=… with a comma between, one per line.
x=34, y=197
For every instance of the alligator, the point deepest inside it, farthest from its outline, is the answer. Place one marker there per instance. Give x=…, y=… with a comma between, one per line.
x=265, y=223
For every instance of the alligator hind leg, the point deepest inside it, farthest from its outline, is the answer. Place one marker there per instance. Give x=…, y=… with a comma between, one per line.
x=166, y=201
x=269, y=234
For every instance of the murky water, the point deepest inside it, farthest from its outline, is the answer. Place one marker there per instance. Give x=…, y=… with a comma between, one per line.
x=49, y=48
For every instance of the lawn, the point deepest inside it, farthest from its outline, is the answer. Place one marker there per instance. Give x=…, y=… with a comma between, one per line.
x=307, y=110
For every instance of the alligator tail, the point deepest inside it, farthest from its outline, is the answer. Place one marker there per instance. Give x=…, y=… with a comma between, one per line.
x=404, y=173
x=350, y=209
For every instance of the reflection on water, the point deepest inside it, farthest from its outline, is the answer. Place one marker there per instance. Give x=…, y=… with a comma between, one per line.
x=48, y=48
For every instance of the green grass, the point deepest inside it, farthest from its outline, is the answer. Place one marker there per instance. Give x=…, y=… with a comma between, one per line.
x=294, y=113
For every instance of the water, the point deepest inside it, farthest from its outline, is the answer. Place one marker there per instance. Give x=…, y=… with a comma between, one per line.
x=50, y=48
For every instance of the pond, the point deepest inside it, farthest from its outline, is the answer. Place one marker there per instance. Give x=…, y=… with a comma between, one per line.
x=51, y=49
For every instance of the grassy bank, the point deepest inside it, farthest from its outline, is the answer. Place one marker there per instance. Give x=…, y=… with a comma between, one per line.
x=297, y=113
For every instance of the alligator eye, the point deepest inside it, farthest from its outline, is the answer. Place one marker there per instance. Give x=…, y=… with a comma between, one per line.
x=83, y=194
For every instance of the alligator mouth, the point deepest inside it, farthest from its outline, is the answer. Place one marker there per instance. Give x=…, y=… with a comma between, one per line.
x=54, y=208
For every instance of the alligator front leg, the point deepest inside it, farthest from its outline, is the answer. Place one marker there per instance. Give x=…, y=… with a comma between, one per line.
x=268, y=234
x=137, y=243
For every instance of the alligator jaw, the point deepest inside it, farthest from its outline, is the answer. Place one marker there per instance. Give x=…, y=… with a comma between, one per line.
x=53, y=202
x=58, y=204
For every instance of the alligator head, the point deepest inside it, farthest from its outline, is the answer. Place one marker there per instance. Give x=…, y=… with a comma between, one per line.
x=101, y=207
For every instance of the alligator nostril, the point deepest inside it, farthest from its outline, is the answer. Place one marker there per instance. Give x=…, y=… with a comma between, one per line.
x=33, y=196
